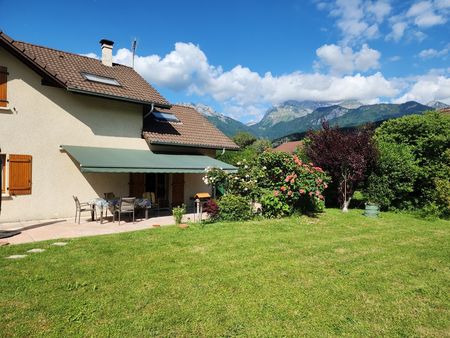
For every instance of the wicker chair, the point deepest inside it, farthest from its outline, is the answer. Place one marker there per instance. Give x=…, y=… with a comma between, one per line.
x=126, y=206
x=82, y=207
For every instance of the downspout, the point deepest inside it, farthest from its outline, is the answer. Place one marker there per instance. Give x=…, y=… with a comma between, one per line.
x=152, y=107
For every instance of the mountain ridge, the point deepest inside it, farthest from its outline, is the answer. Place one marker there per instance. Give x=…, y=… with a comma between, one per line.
x=296, y=117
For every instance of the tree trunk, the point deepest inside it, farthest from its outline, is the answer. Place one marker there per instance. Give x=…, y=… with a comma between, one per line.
x=346, y=204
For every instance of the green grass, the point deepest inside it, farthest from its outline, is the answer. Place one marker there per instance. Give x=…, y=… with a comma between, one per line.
x=339, y=274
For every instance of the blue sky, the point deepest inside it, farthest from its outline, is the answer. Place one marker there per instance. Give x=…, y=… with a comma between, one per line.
x=242, y=57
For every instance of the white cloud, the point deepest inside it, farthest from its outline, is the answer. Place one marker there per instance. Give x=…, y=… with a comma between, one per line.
x=433, y=53
x=424, y=14
x=380, y=9
x=420, y=15
x=343, y=60
x=243, y=92
x=428, y=88
x=398, y=29
x=358, y=20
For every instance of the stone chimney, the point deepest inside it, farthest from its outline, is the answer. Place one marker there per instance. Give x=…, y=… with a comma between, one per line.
x=107, y=46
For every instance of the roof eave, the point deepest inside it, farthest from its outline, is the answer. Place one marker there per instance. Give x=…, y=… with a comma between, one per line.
x=192, y=145
x=120, y=98
x=29, y=61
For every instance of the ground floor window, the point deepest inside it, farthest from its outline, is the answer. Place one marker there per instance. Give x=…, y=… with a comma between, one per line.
x=158, y=184
x=19, y=175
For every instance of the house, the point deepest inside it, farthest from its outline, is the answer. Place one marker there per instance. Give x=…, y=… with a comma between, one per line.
x=74, y=125
x=289, y=147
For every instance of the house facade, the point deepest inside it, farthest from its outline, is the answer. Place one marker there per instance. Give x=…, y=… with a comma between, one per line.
x=73, y=125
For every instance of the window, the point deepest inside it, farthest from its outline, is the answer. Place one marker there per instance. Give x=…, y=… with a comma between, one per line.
x=20, y=174
x=101, y=79
x=165, y=117
x=3, y=175
x=3, y=86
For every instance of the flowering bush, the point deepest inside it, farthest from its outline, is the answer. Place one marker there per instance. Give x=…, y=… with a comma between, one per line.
x=293, y=184
x=302, y=185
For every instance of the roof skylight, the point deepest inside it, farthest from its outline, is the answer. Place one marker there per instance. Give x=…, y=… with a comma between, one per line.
x=101, y=79
x=165, y=117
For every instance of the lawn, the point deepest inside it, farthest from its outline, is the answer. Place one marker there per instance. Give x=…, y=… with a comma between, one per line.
x=338, y=274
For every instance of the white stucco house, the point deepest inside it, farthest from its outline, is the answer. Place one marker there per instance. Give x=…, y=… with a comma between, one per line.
x=73, y=125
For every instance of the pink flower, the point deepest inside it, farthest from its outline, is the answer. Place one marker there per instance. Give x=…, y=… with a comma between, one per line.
x=319, y=180
x=310, y=193
x=293, y=181
x=276, y=193
x=302, y=191
x=287, y=178
x=321, y=197
x=283, y=188
x=289, y=193
x=317, y=192
x=325, y=185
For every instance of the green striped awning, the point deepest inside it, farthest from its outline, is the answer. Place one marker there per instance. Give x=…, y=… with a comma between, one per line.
x=112, y=160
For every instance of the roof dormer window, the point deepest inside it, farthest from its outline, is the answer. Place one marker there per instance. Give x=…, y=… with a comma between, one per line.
x=164, y=117
x=101, y=79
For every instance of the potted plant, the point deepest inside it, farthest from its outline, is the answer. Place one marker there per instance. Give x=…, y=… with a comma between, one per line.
x=178, y=213
x=372, y=206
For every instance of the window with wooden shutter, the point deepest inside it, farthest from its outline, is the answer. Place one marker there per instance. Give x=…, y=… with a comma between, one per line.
x=3, y=160
x=3, y=86
x=20, y=174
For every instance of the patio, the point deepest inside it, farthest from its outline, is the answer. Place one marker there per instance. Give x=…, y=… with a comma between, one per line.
x=36, y=231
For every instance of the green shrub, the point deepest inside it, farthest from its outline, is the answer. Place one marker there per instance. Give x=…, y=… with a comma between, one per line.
x=392, y=182
x=419, y=174
x=178, y=213
x=273, y=206
x=234, y=208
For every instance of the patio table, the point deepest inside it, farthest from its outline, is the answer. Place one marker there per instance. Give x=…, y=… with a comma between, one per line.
x=103, y=204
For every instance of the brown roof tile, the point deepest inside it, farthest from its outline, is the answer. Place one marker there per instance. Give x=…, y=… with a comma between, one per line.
x=289, y=147
x=192, y=130
x=66, y=69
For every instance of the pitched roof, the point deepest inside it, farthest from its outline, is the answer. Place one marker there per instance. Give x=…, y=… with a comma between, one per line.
x=192, y=130
x=289, y=147
x=65, y=70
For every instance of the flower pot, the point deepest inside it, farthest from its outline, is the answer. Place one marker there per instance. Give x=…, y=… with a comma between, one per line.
x=372, y=210
x=183, y=225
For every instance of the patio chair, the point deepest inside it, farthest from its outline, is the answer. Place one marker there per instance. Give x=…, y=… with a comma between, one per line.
x=126, y=206
x=82, y=207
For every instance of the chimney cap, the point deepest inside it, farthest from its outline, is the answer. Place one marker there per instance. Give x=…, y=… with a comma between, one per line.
x=106, y=42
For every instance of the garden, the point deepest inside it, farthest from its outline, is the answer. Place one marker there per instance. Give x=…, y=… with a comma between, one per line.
x=276, y=257
x=403, y=165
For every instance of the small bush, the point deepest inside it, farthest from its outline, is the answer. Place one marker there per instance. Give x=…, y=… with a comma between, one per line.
x=274, y=207
x=234, y=208
x=212, y=209
x=178, y=213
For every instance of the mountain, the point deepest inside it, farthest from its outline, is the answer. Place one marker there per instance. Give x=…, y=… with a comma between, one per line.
x=295, y=117
x=437, y=105
x=291, y=110
x=225, y=124
x=344, y=117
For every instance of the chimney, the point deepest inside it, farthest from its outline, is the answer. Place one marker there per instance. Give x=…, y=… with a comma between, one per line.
x=107, y=46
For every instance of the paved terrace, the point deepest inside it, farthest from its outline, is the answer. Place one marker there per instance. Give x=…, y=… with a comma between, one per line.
x=35, y=231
